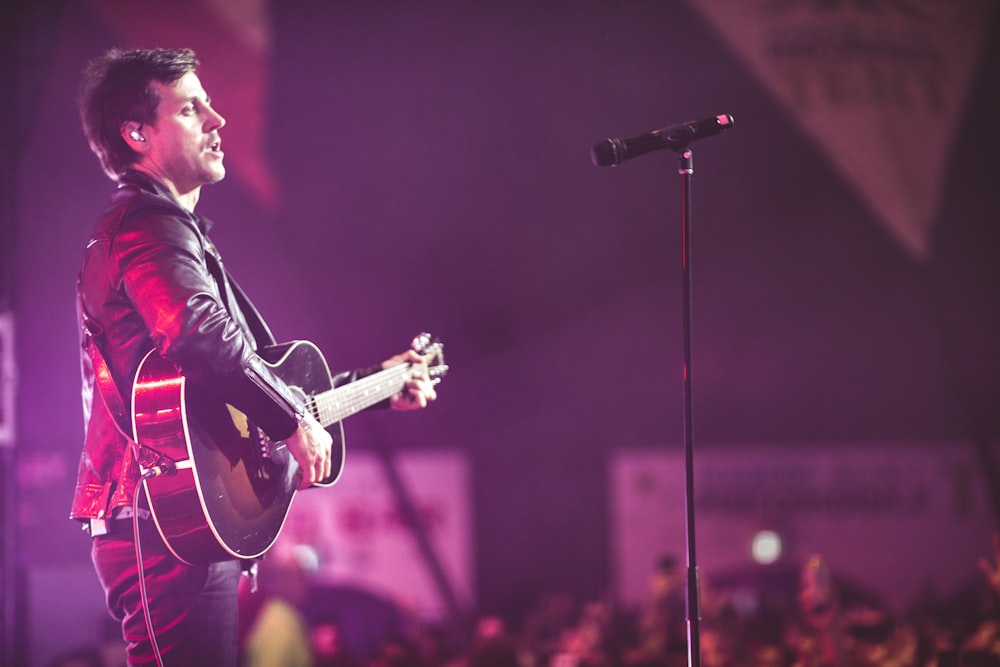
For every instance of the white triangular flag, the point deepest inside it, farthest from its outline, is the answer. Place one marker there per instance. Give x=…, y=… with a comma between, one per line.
x=879, y=85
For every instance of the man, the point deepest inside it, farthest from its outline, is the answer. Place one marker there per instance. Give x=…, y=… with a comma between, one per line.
x=151, y=278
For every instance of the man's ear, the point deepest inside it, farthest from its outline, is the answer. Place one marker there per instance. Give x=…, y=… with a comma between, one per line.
x=133, y=135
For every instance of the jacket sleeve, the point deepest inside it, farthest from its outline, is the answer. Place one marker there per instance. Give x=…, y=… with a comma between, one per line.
x=159, y=257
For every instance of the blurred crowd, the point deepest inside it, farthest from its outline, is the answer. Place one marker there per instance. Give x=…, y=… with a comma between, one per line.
x=804, y=617
x=817, y=621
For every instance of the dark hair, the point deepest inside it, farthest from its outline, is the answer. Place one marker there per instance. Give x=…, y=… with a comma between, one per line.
x=115, y=90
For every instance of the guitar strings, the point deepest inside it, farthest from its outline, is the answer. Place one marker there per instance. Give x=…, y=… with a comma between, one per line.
x=328, y=408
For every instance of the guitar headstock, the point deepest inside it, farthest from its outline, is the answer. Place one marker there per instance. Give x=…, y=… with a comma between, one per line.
x=432, y=348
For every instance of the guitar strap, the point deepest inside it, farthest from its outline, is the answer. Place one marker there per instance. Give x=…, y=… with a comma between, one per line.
x=258, y=327
x=108, y=389
x=90, y=330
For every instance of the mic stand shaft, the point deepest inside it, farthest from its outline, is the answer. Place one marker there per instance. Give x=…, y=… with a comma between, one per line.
x=693, y=588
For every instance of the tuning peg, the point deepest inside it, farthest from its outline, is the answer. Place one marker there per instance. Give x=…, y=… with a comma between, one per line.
x=421, y=342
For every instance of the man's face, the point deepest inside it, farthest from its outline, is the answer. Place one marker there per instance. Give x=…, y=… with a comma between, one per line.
x=183, y=143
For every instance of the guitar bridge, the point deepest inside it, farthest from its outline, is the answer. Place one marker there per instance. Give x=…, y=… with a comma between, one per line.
x=263, y=444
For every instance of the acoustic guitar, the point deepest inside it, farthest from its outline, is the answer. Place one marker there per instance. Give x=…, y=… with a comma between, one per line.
x=217, y=486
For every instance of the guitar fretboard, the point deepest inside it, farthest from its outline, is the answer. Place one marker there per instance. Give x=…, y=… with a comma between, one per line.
x=334, y=405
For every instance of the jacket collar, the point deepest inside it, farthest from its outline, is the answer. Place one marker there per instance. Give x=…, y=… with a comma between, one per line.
x=146, y=183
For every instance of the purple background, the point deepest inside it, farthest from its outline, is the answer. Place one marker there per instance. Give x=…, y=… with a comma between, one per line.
x=435, y=174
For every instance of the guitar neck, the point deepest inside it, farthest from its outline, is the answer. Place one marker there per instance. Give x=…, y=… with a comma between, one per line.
x=334, y=405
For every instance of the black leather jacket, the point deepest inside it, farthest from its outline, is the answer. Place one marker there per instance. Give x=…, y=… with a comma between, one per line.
x=152, y=278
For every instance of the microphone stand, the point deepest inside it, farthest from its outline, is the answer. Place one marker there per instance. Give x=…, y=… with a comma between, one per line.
x=693, y=588
x=612, y=152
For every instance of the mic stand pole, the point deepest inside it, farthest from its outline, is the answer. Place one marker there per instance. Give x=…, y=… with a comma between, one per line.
x=693, y=588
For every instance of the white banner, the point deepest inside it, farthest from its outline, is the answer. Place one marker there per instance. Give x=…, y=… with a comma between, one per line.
x=879, y=86
x=359, y=532
x=893, y=517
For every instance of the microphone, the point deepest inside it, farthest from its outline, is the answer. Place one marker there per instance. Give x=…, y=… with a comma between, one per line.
x=677, y=137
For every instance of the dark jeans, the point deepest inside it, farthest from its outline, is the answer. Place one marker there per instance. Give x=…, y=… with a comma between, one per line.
x=193, y=607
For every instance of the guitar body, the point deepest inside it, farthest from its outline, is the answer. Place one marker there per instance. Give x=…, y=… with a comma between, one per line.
x=232, y=486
